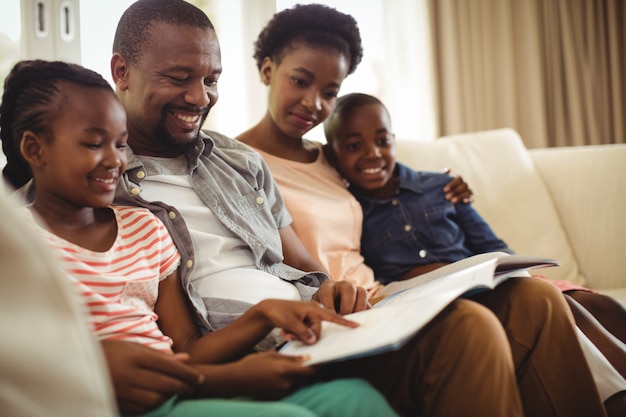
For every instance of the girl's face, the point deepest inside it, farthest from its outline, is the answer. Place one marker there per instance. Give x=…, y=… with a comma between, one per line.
x=364, y=151
x=83, y=162
x=303, y=87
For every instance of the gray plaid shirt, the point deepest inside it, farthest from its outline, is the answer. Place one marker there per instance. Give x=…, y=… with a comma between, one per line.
x=235, y=183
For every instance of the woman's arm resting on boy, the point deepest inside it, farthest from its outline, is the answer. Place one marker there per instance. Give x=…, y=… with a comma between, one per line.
x=457, y=190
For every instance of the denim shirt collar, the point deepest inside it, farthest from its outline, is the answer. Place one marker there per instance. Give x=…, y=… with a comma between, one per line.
x=409, y=180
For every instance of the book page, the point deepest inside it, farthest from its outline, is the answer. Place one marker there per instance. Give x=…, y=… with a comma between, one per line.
x=445, y=270
x=406, y=310
x=380, y=330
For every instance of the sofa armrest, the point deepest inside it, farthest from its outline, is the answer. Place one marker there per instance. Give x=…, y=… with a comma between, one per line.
x=588, y=188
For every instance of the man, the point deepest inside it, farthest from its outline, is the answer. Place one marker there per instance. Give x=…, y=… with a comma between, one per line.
x=221, y=206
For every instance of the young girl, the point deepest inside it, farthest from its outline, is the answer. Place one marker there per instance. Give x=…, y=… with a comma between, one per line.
x=66, y=125
x=361, y=145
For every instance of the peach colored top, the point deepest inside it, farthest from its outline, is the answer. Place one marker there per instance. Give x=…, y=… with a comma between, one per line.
x=326, y=217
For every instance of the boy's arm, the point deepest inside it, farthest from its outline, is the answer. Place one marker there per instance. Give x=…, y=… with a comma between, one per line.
x=479, y=237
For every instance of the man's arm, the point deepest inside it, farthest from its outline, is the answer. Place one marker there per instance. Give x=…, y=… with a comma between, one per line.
x=341, y=296
x=296, y=254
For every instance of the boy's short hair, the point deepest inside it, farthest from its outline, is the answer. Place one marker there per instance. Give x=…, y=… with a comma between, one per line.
x=343, y=106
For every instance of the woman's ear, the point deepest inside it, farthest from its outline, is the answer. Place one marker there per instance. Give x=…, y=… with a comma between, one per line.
x=267, y=67
x=31, y=149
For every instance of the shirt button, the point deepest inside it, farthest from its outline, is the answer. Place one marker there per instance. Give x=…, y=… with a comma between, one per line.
x=172, y=215
x=394, y=202
x=189, y=264
x=407, y=227
x=135, y=191
x=422, y=253
x=141, y=175
x=259, y=200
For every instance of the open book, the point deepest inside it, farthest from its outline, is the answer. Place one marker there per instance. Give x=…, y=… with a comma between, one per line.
x=411, y=304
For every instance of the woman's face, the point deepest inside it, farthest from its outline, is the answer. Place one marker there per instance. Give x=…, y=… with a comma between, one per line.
x=303, y=87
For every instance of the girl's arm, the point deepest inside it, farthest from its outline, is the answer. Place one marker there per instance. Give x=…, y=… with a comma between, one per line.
x=300, y=320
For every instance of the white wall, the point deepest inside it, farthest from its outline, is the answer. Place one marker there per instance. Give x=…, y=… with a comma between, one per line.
x=395, y=67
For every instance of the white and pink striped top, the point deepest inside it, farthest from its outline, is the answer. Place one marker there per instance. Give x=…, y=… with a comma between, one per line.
x=120, y=286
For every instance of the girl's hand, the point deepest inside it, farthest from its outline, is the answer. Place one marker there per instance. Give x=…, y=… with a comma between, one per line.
x=300, y=320
x=143, y=378
x=266, y=376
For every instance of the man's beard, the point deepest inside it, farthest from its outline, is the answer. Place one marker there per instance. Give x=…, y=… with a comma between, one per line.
x=170, y=142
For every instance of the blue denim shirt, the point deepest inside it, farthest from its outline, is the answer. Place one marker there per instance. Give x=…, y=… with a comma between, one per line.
x=418, y=226
x=235, y=183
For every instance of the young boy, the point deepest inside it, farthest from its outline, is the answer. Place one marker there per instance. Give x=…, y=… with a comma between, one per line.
x=409, y=228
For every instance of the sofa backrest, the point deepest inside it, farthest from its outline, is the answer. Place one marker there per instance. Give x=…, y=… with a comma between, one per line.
x=508, y=191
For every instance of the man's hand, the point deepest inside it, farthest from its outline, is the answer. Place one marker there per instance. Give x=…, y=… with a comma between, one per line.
x=457, y=190
x=143, y=378
x=342, y=297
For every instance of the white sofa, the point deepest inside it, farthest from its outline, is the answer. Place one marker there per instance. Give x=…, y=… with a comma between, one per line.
x=565, y=203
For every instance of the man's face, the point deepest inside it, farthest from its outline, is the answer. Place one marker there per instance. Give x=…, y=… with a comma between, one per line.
x=169, y=93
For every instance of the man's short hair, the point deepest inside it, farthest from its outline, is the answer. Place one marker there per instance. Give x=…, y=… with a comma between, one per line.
x=133, y=29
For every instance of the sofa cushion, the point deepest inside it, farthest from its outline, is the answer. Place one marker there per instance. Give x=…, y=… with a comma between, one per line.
x=508, y=191
x=588, y=187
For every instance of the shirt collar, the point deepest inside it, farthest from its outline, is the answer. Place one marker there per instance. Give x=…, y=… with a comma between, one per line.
x=204, y=142
x=409, y=178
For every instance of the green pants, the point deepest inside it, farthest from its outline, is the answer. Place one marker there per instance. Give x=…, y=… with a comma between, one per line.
x=339, y=398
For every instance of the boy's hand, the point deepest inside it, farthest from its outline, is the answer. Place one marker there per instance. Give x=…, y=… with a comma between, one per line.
x=143, y=378
x=457, y=190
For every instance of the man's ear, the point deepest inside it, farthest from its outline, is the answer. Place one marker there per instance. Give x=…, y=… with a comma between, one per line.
x=32, y=150
x=120, y=68
x=267, y=67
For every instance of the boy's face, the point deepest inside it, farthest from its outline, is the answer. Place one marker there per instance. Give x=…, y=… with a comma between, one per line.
x=364, y=149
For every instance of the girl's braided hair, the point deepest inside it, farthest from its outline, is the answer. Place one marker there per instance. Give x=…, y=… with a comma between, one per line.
x=31, y=100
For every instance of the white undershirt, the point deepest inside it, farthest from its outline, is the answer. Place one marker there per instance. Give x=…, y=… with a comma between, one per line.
x=224, y=264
